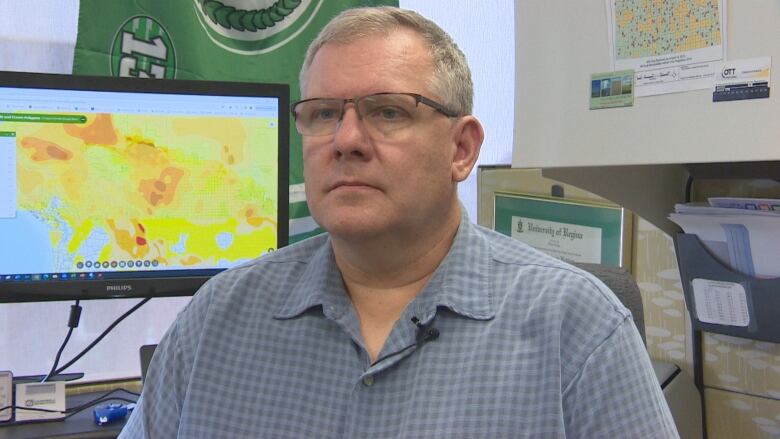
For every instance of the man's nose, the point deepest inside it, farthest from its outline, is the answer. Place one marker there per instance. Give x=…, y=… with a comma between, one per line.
x=351, y=138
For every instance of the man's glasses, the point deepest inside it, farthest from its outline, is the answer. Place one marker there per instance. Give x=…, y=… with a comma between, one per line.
x=382, y=113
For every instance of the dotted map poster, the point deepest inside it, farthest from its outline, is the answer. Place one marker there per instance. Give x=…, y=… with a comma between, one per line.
x=672, y=46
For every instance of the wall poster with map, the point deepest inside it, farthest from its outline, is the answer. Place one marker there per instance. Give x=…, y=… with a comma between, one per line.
x=672, y=46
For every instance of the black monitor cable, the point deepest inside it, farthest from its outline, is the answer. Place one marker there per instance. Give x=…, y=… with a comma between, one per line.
x=56, y=371
x=101, y=336
x=73, y=323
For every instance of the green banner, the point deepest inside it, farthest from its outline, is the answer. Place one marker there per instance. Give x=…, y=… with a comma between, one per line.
x=226, y=40
x=39, y=118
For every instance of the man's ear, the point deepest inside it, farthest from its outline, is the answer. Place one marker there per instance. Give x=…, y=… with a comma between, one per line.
x=468, y=137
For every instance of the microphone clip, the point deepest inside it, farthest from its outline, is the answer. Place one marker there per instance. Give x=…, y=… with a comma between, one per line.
x=425, y=333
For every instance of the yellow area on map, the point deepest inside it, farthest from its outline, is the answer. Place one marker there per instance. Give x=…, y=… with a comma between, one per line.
x=657, y=27
x=179, y=190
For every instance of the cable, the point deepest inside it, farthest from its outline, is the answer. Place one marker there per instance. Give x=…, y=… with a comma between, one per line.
x=55, y=371
x=30, y=421
x=425, y=333
x=72, y=410
x=32, y=409
x=104, y=397
x=57, y=358
x=101, y=336
x=68, y=412
x=73, y=322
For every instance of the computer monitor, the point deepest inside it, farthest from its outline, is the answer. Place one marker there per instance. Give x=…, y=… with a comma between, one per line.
x=120, y=187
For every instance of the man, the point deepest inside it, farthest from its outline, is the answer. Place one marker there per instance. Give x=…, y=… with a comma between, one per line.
x=405, y=320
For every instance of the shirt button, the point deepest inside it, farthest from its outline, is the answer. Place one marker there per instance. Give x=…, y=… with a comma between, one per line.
x=368, y=381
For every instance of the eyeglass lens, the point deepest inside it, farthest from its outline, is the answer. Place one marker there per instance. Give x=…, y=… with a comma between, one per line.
x=381, y=113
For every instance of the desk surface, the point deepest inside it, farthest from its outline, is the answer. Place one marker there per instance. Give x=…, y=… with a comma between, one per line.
x=80, y=425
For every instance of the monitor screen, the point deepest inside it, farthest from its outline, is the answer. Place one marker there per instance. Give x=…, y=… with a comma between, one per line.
x=120, y=187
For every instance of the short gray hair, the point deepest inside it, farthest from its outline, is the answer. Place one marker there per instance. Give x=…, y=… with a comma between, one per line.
x=451, y=79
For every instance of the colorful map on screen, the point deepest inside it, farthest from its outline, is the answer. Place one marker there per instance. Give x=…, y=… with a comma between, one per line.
x=131, y=192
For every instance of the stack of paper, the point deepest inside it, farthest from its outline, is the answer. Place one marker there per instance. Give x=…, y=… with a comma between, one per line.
x=741, y=233
x=761, y=204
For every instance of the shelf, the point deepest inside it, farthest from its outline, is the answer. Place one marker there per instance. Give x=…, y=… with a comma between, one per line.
x=651, y=191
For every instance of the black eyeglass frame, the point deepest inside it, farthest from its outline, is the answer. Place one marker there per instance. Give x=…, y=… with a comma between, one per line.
x=417, y=97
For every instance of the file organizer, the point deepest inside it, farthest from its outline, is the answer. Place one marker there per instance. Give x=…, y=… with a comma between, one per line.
x=763, y=300
x=695, y=262
x=763, y=295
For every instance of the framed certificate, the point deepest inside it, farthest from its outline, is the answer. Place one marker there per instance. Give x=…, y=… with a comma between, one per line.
x=572, y=225
x=572, y=231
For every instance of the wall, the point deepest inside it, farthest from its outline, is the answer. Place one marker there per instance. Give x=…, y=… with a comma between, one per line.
x=553, y=118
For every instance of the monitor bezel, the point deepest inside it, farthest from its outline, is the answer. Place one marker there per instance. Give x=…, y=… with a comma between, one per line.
x=159, y=286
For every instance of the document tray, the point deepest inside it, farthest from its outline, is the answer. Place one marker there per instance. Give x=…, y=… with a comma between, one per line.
x=763, y=295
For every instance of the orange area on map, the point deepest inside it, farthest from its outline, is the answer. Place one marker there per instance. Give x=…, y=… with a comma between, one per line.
x=227, y=155
x=646, y=26
x=253, y=219
x=100, y=132
x=161, y=190
x=145, y=151
x=681, y=10
x=131, y=241
x=191, y=260
x=44, y=150
x=625, y=18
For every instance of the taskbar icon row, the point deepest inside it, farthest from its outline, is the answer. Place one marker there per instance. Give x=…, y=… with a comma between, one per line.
x=130, y=263
x=90, y=275
x=51, y=276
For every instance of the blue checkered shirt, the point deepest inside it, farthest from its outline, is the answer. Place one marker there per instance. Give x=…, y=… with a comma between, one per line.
x=529, y=347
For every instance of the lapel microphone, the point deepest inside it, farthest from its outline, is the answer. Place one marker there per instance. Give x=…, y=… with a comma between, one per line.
x=425, y=333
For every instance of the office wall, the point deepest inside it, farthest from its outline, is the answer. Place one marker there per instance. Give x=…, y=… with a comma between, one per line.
x=553, y=74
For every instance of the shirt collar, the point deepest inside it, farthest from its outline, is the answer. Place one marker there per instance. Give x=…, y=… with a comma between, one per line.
x=461, y=283
x=320, y=284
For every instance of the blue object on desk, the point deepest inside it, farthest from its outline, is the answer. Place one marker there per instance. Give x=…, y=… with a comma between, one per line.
x=110, y=413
